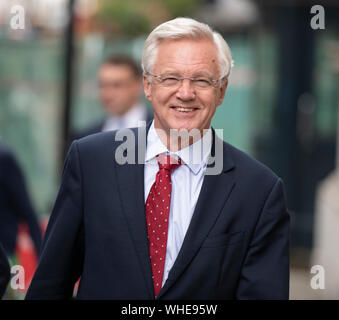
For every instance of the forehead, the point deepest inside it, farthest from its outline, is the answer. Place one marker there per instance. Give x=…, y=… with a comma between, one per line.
x=115, y=70
x=187, y=56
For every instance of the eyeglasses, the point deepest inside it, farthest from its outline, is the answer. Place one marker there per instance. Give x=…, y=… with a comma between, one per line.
x=173, y=81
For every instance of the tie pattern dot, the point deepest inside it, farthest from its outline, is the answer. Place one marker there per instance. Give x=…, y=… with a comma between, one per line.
x=157, y=209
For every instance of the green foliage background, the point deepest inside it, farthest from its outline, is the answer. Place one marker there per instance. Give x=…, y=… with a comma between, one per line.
x=134, y=18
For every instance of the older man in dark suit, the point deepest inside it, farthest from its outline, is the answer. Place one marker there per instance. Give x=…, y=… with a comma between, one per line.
x=168, y=211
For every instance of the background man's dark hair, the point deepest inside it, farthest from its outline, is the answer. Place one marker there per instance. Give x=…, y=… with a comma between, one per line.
x=123, y=59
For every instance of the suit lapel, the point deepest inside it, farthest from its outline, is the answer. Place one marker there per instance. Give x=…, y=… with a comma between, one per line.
x=208, y=208
x=131, y=186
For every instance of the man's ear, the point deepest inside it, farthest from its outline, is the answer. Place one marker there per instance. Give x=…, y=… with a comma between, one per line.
x=222, y=92
x=147, y=88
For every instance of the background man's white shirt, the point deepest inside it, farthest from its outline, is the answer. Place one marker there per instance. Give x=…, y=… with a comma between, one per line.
x=128, y=120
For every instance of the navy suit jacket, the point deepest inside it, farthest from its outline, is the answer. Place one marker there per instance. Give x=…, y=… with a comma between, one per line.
x=98, y=126
x=236, y=246
x=15, y=205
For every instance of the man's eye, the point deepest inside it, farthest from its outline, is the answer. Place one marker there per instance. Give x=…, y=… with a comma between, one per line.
x=202, y=82
x=170, y=80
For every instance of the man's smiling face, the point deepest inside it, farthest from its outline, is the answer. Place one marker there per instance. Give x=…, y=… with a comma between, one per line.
x=185, y=106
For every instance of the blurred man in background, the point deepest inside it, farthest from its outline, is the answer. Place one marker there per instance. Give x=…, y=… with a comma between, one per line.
x=120, y=89
x=15, y=205
x=4, y=271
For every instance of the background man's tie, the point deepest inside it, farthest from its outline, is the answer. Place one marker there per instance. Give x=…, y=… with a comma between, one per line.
x=157, y=209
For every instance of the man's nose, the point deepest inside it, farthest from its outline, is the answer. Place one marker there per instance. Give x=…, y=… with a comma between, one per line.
x=186, y=91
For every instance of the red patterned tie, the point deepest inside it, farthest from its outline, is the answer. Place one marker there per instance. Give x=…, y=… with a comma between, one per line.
x=157, y=209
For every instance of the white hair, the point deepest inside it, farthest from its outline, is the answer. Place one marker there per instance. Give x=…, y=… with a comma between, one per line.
x=186, y=28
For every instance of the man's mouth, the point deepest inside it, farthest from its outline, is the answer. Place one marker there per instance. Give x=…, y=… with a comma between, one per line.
x=184, y=109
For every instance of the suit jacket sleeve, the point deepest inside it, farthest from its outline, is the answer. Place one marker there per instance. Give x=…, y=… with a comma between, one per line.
x=61, y=257
x=265, y=272
x=4, y=271
x=19, y=199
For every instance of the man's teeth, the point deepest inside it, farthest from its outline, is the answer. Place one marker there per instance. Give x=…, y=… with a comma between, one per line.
x=184, y=109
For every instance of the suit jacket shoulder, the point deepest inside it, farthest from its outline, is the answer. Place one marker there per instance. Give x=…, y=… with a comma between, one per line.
x=110, y=140
x=92, y=129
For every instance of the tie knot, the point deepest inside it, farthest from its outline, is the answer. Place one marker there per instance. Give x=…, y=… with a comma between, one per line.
x=167, y=162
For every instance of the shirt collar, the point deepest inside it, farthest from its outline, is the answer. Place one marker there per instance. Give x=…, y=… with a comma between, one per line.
x=135, y=114
x=194, y=156
x=128, y=120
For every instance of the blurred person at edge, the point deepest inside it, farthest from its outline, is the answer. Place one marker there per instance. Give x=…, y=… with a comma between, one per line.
x=120, y=87
x=15, y=204
x=4, y=271
x=162, y=230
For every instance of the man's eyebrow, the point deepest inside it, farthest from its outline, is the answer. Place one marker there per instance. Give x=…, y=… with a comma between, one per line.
x=195, y=75
x=202, y=74
x=170, y=72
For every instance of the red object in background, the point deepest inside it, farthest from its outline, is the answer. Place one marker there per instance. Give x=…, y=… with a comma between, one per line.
x=25, y=252
x=26, y=256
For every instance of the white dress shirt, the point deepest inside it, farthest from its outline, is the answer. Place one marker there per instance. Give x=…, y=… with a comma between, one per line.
x=128, y=120
x=186, y=185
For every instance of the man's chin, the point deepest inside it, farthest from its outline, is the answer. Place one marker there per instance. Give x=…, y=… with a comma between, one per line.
x=184, y=127
x=186, y=131
x=176, y=125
